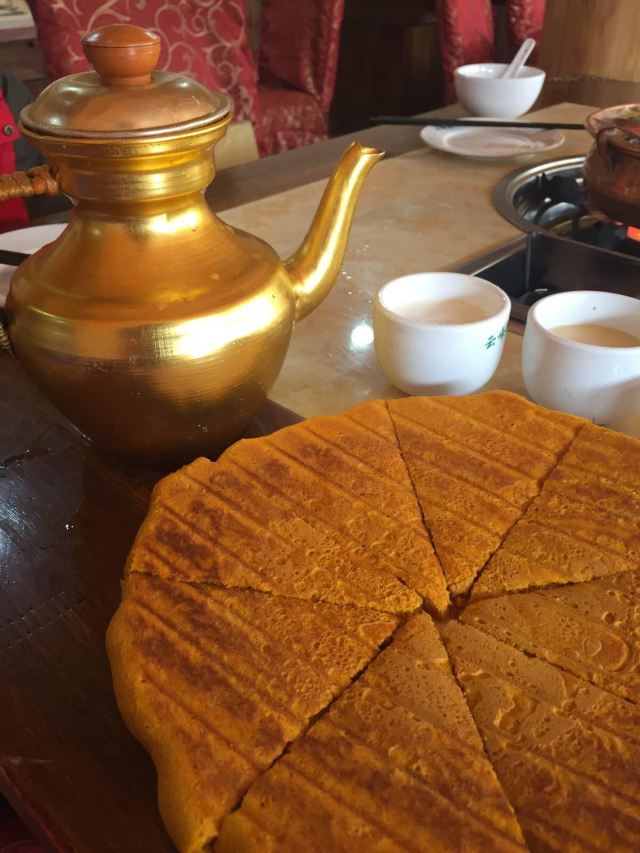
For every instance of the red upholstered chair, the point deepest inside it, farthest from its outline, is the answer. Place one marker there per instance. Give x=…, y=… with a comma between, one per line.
x=14, y=838
x=298, y=63
x=466, y=31
x=208, y=40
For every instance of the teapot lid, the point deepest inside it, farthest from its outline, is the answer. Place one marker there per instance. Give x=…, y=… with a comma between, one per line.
x=123, y=97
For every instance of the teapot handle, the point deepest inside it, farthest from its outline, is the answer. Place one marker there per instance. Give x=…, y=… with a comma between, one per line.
x=37, y=181
x=5, y=343
x=602, y=144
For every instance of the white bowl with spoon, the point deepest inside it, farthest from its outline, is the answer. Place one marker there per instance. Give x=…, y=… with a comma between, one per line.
x=483, y=91
x=499, y=90
x=440, y=332
x=581, y=354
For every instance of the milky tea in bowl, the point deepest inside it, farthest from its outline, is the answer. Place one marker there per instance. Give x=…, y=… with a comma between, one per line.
x=445, y=312
x=439, y=333
x=597, y=335
x=581, y=354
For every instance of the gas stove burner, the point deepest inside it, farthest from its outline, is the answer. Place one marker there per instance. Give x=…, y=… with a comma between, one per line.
x=566, y=245
x=551, y=198
x=605, y=234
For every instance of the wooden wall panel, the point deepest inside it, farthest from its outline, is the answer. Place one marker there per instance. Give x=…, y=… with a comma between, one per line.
x=593, y=38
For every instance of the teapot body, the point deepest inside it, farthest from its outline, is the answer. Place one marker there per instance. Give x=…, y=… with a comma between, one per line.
x=158, y=347
x=156, y=328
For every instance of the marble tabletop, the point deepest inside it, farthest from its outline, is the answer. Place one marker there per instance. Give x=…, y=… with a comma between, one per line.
x=418, y=212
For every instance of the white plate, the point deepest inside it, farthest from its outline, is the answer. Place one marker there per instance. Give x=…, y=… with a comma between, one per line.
x=491, y=143
x=27, y=240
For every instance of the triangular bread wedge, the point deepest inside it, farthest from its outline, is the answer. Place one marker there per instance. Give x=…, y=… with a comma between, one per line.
x=215, y=683
x=395, y=764
x=345, y=475
x=608, y=454
x=476, y=463
x=207, y=524
x=568, y=768
x=321, y=512
x=584, y=524
x=591, y=629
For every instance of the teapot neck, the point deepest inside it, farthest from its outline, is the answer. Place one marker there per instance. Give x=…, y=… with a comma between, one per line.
x=162, y=215
x=132, y=172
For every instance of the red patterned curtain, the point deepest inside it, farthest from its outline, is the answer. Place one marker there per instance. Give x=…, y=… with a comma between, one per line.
x=466, y=31
x=465, y=28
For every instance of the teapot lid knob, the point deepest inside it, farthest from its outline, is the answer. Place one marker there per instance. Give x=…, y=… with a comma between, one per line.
x=122, y=54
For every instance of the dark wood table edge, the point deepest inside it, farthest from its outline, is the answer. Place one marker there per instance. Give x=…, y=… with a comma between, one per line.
x=29, y=810
x=46, y=438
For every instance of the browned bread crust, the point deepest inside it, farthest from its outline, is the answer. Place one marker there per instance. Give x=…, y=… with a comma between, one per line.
x=590, y=629
x=568, y=766
x=273, y=654
x=584, y=524
x=477, y=463
x=216, y=682
x=395, y=764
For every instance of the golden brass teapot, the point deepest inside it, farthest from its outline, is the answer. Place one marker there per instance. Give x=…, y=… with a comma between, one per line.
x=156, y=328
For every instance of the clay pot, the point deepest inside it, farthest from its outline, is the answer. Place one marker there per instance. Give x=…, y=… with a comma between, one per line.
x=612, y=167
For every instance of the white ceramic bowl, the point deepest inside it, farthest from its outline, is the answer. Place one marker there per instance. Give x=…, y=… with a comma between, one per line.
x=598, y=382
x=433, y=358
x=482, y=92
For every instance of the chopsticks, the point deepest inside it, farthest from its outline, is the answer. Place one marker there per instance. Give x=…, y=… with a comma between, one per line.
x=12, y=259
x=481, y=122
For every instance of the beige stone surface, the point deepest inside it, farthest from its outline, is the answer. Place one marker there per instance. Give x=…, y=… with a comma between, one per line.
x=419, y=212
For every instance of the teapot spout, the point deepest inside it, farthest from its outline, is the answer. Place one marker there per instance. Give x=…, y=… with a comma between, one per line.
x=314, y=268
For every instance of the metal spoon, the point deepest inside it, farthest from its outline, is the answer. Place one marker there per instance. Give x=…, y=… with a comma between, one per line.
x=513, y=69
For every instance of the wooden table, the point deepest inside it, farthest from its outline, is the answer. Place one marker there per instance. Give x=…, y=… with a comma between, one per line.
x=67, y=520
x=294, y=168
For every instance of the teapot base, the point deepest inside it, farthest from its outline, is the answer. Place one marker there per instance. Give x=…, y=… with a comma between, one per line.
x=164, y=451
x=143, y=428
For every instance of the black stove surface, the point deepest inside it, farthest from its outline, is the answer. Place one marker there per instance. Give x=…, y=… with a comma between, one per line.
x=536, y=265
x=557, y=202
